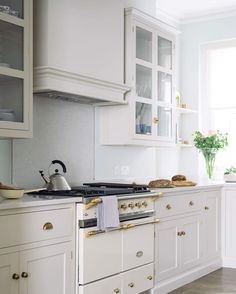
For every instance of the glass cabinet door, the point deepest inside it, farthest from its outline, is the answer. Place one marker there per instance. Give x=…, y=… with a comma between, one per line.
x=164, y=122
x=143, y=115
x=143, y=81
x=164, y=87
x=143, y=44
x=12, y=7
x=164, y=52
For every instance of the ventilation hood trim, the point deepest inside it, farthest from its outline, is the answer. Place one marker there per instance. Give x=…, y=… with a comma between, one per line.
x=48, y=79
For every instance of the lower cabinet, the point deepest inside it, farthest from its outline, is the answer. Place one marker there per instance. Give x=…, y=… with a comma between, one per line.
x=44, y=270
x=177, y=246
x=131, y=282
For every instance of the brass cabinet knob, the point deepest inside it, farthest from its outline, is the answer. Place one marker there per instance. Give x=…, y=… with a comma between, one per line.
x=124, y=206
x=131, y=285
x=168, y=206
x=149, y=278
x=15, y=276
x=24, y=275
x=145, y=204
x=131, y=205
x=138, y=204
x=117, y=290
x=47, y=226
x=156, y=120
x=206, y=207
x=191, y=203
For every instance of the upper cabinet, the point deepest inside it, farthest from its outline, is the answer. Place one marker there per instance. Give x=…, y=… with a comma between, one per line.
x=149, y=117
x=79, y=50
x=16, y=68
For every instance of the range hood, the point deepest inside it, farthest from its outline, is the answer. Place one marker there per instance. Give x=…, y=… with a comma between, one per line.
x=58, y=84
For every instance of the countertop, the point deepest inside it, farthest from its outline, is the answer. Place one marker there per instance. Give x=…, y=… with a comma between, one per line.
x=33, y=201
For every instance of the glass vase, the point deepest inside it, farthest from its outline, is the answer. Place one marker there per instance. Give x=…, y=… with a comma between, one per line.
x=210, y=157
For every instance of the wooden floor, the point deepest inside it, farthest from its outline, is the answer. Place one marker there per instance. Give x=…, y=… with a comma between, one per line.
x=222, y=281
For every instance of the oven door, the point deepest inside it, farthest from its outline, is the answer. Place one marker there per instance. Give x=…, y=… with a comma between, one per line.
x=102, y=254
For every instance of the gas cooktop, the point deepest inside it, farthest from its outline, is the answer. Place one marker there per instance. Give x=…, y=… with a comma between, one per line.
x=96, y=190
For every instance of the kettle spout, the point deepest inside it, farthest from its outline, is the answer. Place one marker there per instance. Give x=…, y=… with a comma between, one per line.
x=46, y=179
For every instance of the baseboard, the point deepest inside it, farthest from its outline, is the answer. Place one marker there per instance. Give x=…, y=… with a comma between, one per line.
x=182, y=279
x=229, y=262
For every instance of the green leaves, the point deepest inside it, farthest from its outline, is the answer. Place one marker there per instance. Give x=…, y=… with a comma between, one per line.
x=214, y=140
x=230, y=171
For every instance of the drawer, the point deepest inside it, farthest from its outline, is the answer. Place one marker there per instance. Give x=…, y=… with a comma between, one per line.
x=180, y=204
x=30, y=227
x=138, y=280
x=106, y=286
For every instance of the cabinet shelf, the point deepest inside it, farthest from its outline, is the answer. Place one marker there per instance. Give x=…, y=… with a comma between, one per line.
x=9, y=72
x=12, y=19
x=182, y=110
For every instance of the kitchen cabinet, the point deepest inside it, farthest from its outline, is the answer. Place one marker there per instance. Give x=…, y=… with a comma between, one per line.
x=31, y=263
x=79, y=50
x=16, y=68
x=149, y=118
x=177, y=246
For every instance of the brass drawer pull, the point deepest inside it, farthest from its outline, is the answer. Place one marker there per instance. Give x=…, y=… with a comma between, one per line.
x=93, y=203
x=131, y=285
x=117, y=290
x=127, y=226
x=47, y=226
x=149, y=278
x=15, y=276
x=168, y=206
x=191, y=203
x=139, y=254
x=24, y=275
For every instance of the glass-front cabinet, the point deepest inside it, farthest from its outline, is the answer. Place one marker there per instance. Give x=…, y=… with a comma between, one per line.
x=16, y=68
x=153, y=84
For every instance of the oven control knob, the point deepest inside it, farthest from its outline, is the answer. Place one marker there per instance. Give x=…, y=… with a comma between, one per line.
x=138, y=204
x=145, y=204
x=124, y=206
x=131, y=205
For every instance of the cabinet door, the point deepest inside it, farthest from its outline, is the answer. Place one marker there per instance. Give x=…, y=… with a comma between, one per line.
x=47, y=270
x=166, y=249
x=99, y=255
x=9, y=273
x=191, y=243
x=138, y=246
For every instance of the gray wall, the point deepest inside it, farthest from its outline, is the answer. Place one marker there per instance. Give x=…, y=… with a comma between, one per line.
x=5, y=161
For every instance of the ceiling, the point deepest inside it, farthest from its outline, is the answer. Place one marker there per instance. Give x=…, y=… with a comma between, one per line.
x=187, y=9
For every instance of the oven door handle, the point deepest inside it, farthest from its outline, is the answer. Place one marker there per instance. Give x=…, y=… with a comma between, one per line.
x=92, y=203
x=122, y=227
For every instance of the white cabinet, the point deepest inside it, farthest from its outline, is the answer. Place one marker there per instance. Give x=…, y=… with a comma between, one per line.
x=177, y=246
x=79, y=50
x=40, y=260
x=16, y=69
x=149, y=117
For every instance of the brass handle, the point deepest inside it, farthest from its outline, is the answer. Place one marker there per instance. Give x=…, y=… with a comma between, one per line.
x=149, y=278
x=145, y=204
x=206, y=207
x=154, y=198
x=138, y=204
x=47, y=226
x=117, y=290
x=24, y=275
x=15, y=276
x=127, y=226
x=156, y=120
x=131, y=205
x=91, y=233
x=139, y=254
x=93, y=203
x=131, y=285
x=168, y=206
x=191, y=203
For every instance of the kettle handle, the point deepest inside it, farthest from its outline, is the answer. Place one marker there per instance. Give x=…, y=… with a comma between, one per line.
x=61, y=163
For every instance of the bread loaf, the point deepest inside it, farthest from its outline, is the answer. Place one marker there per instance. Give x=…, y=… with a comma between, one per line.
x=162, y=183
x=179, y=178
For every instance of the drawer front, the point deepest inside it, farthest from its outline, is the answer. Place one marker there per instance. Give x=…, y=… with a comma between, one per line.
x=30, y=227
x=173, y=205
x=106, y=286
x=138, y=280
x=99, y=255
x=138, y=246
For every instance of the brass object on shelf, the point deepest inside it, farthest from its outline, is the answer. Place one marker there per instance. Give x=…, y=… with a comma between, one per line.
x=168, y=206
x=24, y=275
x=93, y=203
x=47, y=226
x=156, y=197
x=15, y=276
x=149, y=278
x=191, y=203
x=131, y=285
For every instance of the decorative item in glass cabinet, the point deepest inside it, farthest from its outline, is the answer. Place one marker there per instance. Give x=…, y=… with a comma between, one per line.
x=209, y=145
